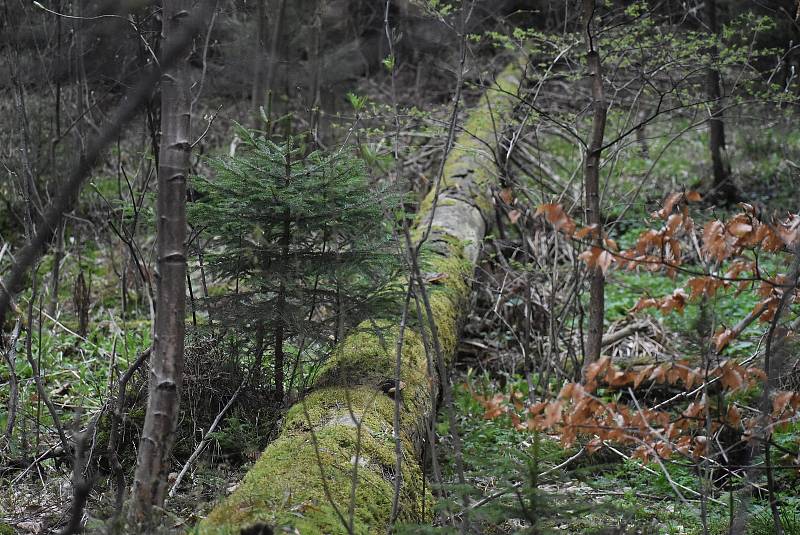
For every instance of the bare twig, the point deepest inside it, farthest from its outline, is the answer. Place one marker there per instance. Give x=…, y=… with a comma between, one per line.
x=10, y=356
x=40, y=389
x=208, y=127
x=81, y=482
x=206, y=438
x=202, y=81
x=116, y=417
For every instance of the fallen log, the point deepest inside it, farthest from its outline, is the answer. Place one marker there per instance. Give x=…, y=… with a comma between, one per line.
x=342, y=432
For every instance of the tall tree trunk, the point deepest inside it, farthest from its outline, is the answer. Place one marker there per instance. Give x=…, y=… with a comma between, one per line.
x=721, y=187
x=592, y=188
x=166, y=365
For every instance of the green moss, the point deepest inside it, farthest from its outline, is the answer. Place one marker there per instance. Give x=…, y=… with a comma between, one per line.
x=335, y=404
x=6, y=529
x=286, y=487
x=470, y=167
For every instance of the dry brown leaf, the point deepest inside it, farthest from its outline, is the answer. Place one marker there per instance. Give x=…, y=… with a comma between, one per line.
x=586, y=231
x=731, y=378
x=693, y=196
x=734, y=417
x=722, y=338
x=556, y=216
x=782, y=401
x=596, y=368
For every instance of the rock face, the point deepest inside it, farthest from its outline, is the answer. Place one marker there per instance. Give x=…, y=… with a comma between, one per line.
x=332, y=468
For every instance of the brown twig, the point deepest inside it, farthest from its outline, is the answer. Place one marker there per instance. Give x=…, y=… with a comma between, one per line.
x=10, y=356
x=81, y=483
x=116, y=417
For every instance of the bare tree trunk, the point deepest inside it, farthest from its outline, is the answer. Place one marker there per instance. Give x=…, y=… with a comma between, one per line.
x=280, y=357
x=166, y=365
x=81, y=297
x=594, y=338
x=721, y=187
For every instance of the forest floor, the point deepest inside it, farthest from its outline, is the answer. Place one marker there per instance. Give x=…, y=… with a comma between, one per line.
x=518, y=480
x=515, y=481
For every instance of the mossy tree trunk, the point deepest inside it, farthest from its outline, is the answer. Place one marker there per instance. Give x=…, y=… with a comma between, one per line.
x=342, y=432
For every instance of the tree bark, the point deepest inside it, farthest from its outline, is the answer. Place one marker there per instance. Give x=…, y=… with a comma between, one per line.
x=166, y=364
x=348, y=420
x=721, y=187
x=594, y=338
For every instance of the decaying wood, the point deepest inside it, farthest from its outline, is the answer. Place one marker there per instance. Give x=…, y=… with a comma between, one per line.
x=624, y=332
x=343, y=421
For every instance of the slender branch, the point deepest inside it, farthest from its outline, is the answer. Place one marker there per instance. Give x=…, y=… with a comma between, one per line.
x=10, y=356
x=206, y=438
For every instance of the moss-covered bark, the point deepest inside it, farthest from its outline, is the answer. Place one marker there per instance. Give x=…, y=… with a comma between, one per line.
x=306, y=475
